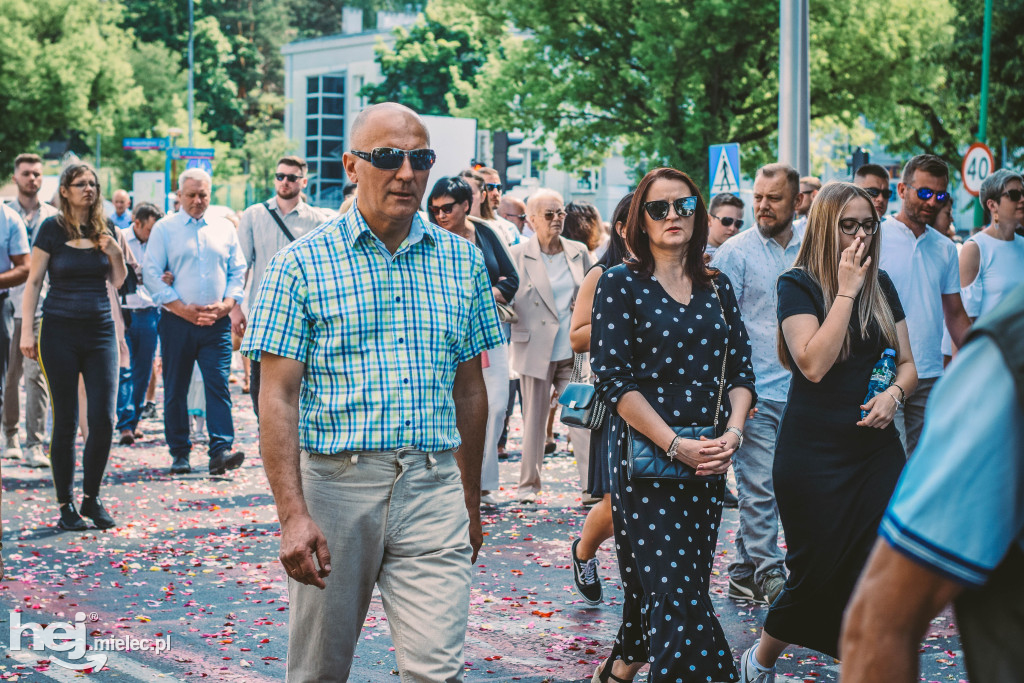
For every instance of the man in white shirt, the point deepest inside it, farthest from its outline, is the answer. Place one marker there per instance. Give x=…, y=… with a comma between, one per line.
x=261, y=235
x=923, y=266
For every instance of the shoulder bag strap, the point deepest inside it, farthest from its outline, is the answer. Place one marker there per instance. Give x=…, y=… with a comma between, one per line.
x=280, y=223
x=725, y=356
x=577, y=369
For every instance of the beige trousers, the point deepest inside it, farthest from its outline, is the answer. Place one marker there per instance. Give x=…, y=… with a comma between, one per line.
x=536, y=393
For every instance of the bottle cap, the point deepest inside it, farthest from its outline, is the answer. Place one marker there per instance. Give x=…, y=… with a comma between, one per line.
x=889, y=352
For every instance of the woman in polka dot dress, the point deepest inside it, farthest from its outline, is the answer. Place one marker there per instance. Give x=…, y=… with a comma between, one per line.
x=659, y=332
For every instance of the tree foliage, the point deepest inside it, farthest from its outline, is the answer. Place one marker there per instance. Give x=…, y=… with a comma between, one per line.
x=62, y=71
x=426, y=62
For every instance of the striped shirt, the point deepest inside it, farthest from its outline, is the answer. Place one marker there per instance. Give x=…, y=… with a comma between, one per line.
x=380, y=334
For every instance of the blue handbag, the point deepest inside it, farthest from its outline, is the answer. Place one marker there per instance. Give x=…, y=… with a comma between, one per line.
x=644, y=460
x=580, y=405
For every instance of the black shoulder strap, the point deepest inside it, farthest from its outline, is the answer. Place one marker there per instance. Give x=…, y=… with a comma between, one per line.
x=280, y=223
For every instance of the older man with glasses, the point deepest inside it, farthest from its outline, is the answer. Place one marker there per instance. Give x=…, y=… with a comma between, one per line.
x=551, y=269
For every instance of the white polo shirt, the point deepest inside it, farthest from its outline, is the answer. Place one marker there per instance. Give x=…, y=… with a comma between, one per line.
x=922, y=269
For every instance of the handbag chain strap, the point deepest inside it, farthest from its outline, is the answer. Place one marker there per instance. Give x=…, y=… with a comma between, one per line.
x=725, y=355
x=577, y=368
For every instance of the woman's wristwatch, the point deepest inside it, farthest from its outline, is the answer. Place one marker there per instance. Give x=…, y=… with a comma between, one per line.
x=739, y=435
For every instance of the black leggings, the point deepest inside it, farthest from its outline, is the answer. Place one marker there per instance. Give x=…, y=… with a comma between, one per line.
x=69, y=347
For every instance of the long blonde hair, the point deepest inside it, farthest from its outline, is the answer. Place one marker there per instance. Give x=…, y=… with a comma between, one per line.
x=96, y=224
x=819, y=258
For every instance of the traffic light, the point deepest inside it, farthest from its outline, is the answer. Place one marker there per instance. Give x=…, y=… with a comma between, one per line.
x=858, y=159
x=505, y=157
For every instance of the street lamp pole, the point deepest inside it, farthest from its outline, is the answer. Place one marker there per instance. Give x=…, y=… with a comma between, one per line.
x=794, y=85
x=986, y=59
x=191, y=69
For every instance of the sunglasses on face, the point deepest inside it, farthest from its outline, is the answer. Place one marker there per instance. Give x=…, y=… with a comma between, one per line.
x=924, y=194
x=550, y=215
x=874, y=192
x=84, y=184
x=658, y=209
x=391, y=159
x=510, y=216
x=850, y=226
x=728, y=220
x=443, y=209
x=490, y=187
x=290, y=177
x=1014, y=195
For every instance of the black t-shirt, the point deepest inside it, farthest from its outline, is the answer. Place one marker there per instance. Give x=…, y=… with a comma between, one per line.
x=78, y=277
x=846, y=383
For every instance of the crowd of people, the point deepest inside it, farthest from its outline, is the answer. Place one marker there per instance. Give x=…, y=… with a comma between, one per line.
x=387, y=343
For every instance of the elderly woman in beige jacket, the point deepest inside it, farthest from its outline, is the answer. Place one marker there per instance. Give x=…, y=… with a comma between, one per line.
x=551, y=269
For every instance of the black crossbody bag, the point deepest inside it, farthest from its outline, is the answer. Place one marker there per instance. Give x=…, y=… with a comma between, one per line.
x=280, y=223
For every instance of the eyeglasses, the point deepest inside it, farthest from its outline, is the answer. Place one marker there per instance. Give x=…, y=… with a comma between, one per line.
x=510, y=216
x=850, y=226
x=391, y=159
x=443, y=209
x=1014, y=195
x=728, y=220
x=658, y=209
x=84, y=184
x=290, y=177
x=924, y=194
x=550, y=215
x=874, y=192
x=490, y=187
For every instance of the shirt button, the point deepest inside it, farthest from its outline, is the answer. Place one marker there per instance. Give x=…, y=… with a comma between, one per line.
x=405, y=381
x=408, y=423
x=398, y=298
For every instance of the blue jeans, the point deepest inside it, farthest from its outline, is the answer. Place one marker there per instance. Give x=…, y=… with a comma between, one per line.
x=141, y=336
x=182, y=345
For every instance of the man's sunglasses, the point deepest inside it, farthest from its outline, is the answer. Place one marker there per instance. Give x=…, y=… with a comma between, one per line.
x=874, y=192
x=924, y=194
x=658, y=209
x=1014, y=195
x=510, y=216
x=391, y=159
x=728, y=220
x=443, y=209
x=850, y=226
x=290, y=177
x=490, y=187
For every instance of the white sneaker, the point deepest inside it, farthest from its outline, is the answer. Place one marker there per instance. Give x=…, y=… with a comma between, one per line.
x=528, y=497
x=488, y=499
x=750, y=673
x=12, y=449
x=36, y=457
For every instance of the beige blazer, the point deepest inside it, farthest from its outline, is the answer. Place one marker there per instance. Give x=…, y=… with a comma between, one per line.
x=533, y=335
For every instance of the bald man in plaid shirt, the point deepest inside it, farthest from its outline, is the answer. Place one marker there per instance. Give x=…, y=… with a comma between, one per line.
x=373, y=409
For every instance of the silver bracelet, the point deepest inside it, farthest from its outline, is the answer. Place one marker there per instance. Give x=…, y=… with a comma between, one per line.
x=671, y=452
x=739, y=434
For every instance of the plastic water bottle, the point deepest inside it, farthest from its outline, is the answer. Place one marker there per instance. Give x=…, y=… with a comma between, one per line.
x=882, y=377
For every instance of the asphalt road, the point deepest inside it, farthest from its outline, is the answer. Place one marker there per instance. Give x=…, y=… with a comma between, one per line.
x=193, y=564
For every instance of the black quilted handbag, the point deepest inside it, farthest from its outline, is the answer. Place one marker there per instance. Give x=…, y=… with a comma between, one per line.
x=580, y=405
x=644, y=460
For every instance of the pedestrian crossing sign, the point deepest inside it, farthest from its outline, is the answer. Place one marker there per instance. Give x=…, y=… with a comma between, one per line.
x=724, y=168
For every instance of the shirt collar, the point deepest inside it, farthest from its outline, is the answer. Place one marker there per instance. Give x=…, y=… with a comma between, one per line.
x=190, y=221
x=354, y=226
x=794, y=241
x=272, y=202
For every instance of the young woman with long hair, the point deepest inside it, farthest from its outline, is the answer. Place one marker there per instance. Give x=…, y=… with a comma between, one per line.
x=834, y=471
x=79, y=252
x=666, y=328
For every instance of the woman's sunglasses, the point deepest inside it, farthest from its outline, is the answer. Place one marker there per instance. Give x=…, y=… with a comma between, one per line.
x=728, y=220
x=391, y=158
x=658, y=209
x=1014, y=195
x=443, y=209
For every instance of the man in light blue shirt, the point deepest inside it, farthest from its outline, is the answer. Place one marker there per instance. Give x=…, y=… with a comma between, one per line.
x=754, y=260
x=206, y=262
x=955, y=527
x=121, y=216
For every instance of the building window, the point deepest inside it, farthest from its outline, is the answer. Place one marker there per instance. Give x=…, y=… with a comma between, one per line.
x=325, y=133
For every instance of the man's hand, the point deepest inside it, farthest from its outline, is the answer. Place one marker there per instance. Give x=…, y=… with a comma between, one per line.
x=213, y=312
x=301, y=541
x=191, y=312
x=238, y=321
x=168, y=278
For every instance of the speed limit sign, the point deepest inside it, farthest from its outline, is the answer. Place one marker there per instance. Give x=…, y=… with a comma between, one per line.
x=978, y=163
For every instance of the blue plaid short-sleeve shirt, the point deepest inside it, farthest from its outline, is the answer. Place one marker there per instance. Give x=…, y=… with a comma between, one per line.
x=381, y=335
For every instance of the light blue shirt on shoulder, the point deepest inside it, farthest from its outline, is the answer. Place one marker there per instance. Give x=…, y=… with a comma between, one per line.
x=13, y=237
x=753, y=264
x=959, y=506
x=204, y=256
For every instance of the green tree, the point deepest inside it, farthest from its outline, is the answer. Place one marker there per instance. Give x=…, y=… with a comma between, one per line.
x=63, y=72
x=425, y=63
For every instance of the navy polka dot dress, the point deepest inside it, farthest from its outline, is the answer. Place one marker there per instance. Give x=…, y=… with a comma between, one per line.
x=666, y=530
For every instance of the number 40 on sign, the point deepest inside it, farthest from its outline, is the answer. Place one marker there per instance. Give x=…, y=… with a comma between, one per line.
x=978, y=163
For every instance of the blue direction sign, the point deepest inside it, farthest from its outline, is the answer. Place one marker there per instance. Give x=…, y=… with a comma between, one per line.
x=724, y=166
x=192, y=152
x=144, y=143
x=201, y=162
